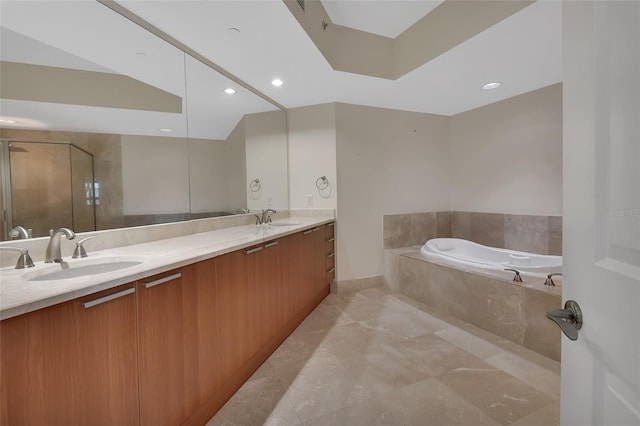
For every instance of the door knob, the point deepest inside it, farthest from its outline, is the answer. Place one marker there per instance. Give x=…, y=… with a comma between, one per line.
x=568, y=319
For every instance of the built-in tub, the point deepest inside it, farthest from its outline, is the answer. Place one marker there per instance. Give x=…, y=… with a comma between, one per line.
x=455, y=251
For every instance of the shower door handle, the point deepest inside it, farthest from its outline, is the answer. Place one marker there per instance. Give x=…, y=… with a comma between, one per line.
x=568, y=319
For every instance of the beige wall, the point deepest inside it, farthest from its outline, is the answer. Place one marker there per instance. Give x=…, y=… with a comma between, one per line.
x=266, y=152
x=502, y=158
x=507, y=156
x=312, y=153
x=207, y=175
x=155, y=175
x=387, y=162
x=236, y=168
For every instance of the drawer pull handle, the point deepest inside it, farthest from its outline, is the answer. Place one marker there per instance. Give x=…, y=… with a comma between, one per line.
x=330, y=271
x=108, y=298
x=330, y=240
x=307, y=232
x=315, y=229
x=271, y=244
x=254, y=250
x=162, y=280
x=331, y=254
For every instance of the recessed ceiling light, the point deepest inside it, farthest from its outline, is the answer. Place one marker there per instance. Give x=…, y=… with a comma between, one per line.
x=5, y=121
x=140, y=54
x=491, y=86
x=229, y=91
x=166, y=130
x=277, y=82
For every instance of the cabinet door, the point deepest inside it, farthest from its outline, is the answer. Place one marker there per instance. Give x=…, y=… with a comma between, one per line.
x=177, y=343
x=293, y=264
x=72, y=364
x=234, y=326
x=250, y=297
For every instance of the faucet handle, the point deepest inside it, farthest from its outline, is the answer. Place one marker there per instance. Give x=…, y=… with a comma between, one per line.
x=24, y=261
x=517, y=278
x=549, y=280
x=79, y=250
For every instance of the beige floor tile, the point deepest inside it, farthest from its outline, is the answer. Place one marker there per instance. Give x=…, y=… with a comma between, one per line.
x=318, y=390
x=470, y=343
x=431, y=403
x=375, y=357
x=547, y=416
x=429, y=354
x=366, y=413
x=535, y=376
x=496, y=393
x=261, y=400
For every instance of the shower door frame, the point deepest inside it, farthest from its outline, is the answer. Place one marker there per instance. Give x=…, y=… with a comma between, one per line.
x=6, y=214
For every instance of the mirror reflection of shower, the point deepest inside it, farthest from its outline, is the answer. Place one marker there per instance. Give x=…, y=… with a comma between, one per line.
x=46, y=185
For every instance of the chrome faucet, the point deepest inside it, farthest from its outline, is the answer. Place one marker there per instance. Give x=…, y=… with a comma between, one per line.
x=516, y=278
x=265, y=217
x=549, y=280
x=24, y=261
x=18, y=232
x=53, y=249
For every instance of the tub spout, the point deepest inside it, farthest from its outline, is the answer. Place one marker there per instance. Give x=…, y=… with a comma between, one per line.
x=517, y=278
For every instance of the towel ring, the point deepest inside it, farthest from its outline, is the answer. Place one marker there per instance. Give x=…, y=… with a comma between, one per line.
x=255, y=185
x=322, y=183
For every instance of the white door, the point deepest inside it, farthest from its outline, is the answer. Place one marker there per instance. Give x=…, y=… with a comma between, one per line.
x=601, y=370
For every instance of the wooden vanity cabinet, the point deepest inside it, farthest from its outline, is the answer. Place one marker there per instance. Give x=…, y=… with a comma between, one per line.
x=166, y=350
x=177, y=343
x=72, y=363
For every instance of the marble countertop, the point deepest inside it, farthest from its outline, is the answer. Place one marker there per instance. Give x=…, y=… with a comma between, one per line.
x=20, y=293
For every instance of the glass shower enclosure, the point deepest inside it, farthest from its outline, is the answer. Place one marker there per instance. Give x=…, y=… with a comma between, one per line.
x=46, y=185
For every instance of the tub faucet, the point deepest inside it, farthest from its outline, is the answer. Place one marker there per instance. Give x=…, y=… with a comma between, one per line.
x=517, y=278
x=53, y=249
x=549, y=280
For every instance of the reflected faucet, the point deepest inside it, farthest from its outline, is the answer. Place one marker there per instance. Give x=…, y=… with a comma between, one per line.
x=18, y=232
x=53, y=249
x=265, y=217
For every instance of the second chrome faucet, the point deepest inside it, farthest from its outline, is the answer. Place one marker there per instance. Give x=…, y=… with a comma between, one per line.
x=53, y=249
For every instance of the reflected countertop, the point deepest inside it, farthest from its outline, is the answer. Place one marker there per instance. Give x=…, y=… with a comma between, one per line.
x=20, y=294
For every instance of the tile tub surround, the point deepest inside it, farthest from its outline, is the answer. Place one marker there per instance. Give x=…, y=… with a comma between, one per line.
x=516, y=312
x=377, y=357
x=530, y=233
x=18, y=295
x=404, y=230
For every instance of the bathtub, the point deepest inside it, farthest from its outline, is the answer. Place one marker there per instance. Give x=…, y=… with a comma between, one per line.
x=457, y=252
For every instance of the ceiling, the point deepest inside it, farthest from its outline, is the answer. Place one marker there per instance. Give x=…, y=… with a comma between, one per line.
x=523, y=52
x=386, y=18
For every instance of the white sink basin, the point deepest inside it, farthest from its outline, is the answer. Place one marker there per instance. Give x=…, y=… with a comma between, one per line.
x=285, y=223
x=83, y=268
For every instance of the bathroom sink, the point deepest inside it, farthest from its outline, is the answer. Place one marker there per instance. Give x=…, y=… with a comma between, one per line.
x=83, y=268
x=285, y=223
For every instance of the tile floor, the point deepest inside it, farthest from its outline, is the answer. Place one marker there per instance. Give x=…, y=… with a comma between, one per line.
x=376, y=357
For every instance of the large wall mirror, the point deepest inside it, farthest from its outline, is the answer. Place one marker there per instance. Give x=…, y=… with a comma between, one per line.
x=105, y=125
